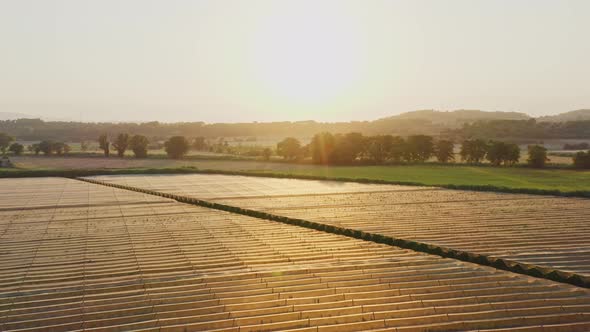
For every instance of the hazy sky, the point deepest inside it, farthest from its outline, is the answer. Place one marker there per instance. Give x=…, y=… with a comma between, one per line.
x=248, y=60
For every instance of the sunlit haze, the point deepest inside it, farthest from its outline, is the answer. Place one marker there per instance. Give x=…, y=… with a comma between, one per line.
x=243, y=61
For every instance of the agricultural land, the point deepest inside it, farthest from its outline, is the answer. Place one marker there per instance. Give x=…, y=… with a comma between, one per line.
x=84, y=256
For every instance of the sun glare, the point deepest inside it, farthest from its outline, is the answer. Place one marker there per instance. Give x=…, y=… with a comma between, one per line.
x=305, y=57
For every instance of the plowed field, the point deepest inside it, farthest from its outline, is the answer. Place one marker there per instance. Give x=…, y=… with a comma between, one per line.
x=77, y=256
x=542, y=230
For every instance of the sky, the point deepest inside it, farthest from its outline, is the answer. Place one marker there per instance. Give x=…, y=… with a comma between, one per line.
x=282, y=60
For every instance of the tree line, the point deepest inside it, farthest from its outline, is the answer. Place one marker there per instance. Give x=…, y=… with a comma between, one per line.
x=342, y=149
x=523, y=129
x=47, y=147
x=328, y=149
x=176, y=147
x=36, y=129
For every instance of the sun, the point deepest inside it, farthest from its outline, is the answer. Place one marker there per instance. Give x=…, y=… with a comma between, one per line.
x=306, y=56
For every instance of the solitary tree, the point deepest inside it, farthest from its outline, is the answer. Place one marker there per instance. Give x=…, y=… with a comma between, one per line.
x=104, y=144
x=473, y=151
x=445, y=151
x=121, y=143
x=176, y=147
x=5, y=141
x=289, y=148
x=138, y=145
x=537, y=156
x=16, y=148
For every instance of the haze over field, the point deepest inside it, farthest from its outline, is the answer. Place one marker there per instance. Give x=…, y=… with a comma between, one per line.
x=242, y=61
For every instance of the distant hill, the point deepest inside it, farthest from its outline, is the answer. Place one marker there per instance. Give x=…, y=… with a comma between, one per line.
x=457, y=118
x=451, y=124
x=578, y=115
x=12, y=116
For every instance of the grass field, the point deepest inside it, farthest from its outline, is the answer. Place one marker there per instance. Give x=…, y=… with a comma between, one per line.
x=552, y=179
x=565, y=180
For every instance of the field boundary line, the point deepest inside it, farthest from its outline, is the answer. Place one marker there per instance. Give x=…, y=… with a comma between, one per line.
x=485, y=260
x=75, y=173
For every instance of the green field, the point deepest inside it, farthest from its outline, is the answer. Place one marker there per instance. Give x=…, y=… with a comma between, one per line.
x=500, y=178
x=517, y=177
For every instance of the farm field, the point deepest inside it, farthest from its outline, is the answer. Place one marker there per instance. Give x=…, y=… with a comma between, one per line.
x=546, y=231
x=66, y=163
x=78, y=256
x=215, y=186
x=548, y=179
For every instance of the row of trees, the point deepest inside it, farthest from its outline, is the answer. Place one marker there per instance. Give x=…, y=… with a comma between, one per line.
x=496, y=152
x=329, y=149
x=7, y=144
x=176, y=147
x=137, y=143
x=47, y=147
x=326, y=148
